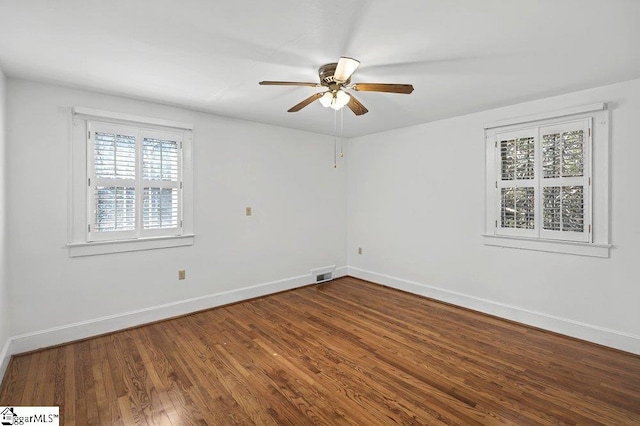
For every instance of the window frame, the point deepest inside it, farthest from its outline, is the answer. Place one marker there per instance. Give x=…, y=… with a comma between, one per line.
x=596, y=178
x=83, y=242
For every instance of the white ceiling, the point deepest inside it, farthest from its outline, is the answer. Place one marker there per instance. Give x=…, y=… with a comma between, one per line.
x=461, y=56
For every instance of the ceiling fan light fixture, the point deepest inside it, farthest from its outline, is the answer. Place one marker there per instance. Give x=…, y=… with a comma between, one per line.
x=340, y=99
x=326, y=99
x=336, y=100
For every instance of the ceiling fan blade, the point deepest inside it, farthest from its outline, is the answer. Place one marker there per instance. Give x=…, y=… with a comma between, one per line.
x=355, y=106
x=383, y=87
x=306, y=102
x=344, y=69
x=288, y=83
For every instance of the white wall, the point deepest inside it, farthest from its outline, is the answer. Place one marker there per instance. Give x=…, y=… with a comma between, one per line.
x=4, y=283
x=416, y=198
x=415, y=207
x=286, y=176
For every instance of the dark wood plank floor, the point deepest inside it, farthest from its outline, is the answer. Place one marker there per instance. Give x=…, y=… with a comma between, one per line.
x=344, y=352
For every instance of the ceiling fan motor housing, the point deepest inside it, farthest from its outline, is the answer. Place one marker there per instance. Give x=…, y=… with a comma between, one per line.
x=326, y=73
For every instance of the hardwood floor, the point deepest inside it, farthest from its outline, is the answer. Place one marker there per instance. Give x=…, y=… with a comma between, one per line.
x=344, y=352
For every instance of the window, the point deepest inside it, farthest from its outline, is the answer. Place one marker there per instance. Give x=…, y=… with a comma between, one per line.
x=543, y=183
x=134, y=187
x=134, y=182
x=539, y=183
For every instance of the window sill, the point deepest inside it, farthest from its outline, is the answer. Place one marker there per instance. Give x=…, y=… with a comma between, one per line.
x=550, y=246
x=108, y=247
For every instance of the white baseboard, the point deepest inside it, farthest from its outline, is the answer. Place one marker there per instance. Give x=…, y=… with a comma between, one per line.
x=5, y=356
x=94, y=327
x=592, y=333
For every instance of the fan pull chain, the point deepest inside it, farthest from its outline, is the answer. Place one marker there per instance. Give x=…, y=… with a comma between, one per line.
x=335, y=139
x=341, y=128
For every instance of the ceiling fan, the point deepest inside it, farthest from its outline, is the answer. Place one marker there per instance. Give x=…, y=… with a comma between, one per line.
x=336, y=77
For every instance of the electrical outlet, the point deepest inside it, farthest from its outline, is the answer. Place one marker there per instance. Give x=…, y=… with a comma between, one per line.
x=359, y=250
x=182, y=274
x=248, y=211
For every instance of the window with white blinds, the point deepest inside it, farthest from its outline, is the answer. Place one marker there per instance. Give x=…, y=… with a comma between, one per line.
x=134, y=182
x=547, y=181
x=542, y=181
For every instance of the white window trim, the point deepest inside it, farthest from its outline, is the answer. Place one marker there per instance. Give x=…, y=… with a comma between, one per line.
x=550, y=246
x=78, y=197
x=120, y=246
x=599, y=245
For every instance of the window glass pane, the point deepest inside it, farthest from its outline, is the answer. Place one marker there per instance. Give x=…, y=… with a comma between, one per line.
x=517, y=158
x=160, y=208
x=573, y=153
x=563, y=154
x=551, y=205
x=563, y=208
x=159, y=159
x=551, y=158
x=115, y=209
x=115, y=156
x=517, y=208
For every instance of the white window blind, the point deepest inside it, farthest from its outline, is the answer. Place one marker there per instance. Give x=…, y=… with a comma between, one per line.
x=543, y=182
x=160, y=162
x=516, y=183
x=114, y=181
x=134, y=183
x=565, y=183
